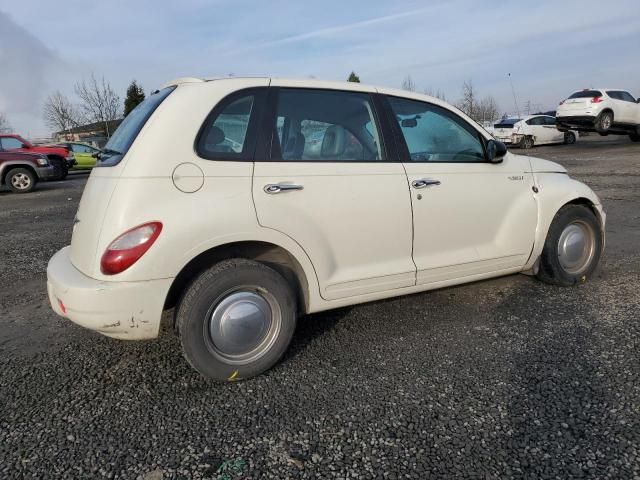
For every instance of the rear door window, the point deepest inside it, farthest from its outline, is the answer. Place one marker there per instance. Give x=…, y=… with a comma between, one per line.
x=325, y=126
x=535, y=121
x=126, y=133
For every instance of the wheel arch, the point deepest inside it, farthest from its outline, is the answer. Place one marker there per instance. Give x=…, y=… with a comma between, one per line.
x=270, y=254
x=556, y=192
x=8, y=166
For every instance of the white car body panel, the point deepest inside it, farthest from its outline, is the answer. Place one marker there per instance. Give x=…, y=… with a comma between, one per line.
x=351, y=231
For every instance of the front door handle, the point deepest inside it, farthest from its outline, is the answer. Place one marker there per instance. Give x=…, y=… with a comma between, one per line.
x=273, y=188
x=424, y=183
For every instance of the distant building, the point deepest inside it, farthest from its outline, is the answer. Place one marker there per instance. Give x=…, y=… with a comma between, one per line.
x=93, y=133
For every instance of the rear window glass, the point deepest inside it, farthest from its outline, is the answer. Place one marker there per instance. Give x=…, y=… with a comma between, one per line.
x=126, y=133
x=507, y=123
x=587, y=94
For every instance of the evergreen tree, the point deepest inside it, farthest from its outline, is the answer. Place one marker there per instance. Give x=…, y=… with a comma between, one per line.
x=135, y=95
x=353, y=78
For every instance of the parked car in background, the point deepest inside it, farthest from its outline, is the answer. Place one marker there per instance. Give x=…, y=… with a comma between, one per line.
x=531, y=130
x=602, y=110
x=85, y=155
x=292, y=221
x=59, y=157
x=22, y=171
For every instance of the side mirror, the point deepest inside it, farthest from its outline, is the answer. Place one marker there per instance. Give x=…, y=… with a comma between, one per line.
x=24, y=145
x=496, y=151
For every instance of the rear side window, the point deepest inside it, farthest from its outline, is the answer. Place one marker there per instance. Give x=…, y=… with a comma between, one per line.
x=535, y=121
x=325, y=126
x=587, y=94
x=229, y=132
x=126, y=133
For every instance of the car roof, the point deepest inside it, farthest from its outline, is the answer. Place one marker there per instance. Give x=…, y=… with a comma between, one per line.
x=320, y=84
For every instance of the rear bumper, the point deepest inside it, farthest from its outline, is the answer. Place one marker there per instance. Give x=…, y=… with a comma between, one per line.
x=124, y=310
x=45, y=173
x=577, y=121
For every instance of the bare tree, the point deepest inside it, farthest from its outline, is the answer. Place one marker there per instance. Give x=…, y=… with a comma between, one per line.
x=468, y=101
x=60, y=114
x=5, y=126
x=487, y=110
x=435, y=93
x=407, y=84
x=100, y=103
x=481, y=110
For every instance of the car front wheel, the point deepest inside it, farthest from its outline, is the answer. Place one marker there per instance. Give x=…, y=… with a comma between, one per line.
x=236, y=320
x=635, y=137
x=573, y=247
x=20, y=180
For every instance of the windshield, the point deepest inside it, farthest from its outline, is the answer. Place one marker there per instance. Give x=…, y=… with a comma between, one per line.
x=586, y=94
x=128, y=130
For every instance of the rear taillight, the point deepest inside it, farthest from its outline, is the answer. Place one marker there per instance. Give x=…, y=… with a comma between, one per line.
x=596, y=99
x=127, y=249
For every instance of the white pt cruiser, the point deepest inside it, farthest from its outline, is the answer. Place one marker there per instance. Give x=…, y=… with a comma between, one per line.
x=246, y=202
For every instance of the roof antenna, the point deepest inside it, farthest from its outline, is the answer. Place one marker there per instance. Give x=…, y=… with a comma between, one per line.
x=514, y=95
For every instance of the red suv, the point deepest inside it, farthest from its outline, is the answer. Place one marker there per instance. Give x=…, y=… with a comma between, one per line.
x=59, y=157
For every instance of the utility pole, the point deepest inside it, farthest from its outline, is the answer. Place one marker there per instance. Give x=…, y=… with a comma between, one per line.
x=528, y=107
x=514, y=95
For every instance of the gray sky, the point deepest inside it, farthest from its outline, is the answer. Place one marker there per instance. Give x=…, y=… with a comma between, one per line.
x=551, y=48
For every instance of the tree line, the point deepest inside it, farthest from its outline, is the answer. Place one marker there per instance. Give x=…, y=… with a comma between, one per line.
x=482, y=110
x=95, y=102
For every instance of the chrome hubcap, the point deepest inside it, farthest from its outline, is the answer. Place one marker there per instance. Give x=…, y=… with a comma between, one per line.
x=576, y=247
x=243, y=325
x=20, y=181
x=606, y=121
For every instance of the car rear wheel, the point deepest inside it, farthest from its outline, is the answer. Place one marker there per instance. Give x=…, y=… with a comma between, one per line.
x=20, y=180
x=603, y=122
x=573, y=247
x=635, y=137
x=526, y=142
x=236, y=320
x=569, y=138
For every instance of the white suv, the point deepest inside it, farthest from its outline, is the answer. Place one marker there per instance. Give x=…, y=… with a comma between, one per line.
x=246, y=202
x=603, y=110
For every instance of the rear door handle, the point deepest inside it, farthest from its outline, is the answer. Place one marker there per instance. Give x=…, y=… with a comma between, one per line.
x=273, y=188
x=424, y=183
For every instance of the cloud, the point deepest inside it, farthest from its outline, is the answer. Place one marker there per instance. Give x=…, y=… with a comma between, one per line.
x=27, y=65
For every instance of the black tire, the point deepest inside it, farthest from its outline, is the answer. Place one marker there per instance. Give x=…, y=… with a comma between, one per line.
x=635, y=137
x=526, y=142
x=551, y=269
x=207, y=294
x=60, y=168
x=20, y=180
x=569, y=138
x=604, y=122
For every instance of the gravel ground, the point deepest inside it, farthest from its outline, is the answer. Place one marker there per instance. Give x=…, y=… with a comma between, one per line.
x=507, y=378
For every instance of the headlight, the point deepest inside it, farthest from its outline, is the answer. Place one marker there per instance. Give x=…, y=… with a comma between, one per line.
x=42, y=161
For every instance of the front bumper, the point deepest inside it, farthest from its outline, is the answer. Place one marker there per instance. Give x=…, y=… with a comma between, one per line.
x=124, y=310
x=45, y=173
